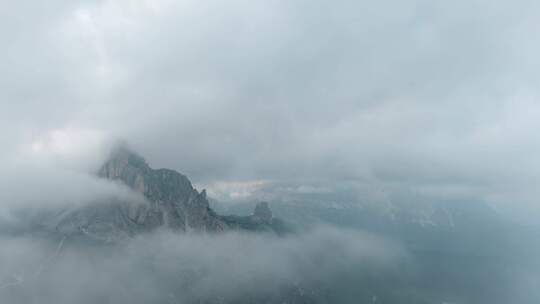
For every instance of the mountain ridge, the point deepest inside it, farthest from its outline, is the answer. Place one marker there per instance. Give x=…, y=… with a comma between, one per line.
x=171, y=203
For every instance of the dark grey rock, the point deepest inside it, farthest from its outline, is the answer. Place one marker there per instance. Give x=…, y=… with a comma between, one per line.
x=262, y=212
x=260, y=220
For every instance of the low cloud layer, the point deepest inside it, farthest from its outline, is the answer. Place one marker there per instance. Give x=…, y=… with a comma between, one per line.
x=172, y=268
x=323, y=265
x=54, y=173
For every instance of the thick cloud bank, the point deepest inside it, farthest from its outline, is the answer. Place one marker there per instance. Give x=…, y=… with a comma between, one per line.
x=172, y=268
x=54, y=174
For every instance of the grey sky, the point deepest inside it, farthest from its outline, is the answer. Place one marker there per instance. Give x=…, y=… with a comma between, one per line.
x=436, y=96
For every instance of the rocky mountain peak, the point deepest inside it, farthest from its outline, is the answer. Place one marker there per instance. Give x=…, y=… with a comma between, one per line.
x=157, y=185
x=121, y=159
x=122, y=154
x=172, y=202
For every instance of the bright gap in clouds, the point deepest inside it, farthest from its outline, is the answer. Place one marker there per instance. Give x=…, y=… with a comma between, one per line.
x=75, y=148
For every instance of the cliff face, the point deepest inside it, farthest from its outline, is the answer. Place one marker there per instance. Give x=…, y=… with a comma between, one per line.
x=173, y=202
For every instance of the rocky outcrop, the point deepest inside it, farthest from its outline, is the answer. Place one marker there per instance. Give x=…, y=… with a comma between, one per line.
x=260, y=220
x=262, y=212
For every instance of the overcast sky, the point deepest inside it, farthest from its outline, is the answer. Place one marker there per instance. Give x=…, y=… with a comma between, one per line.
x=440, y=97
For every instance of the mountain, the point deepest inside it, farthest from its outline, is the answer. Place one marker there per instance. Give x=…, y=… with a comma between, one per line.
x=171, y=203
